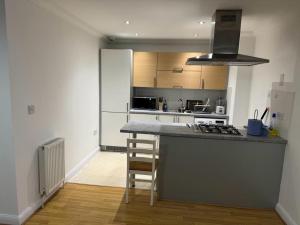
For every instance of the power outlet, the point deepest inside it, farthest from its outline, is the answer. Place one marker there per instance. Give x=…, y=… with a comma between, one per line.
x=30, y=109
x=95, y=132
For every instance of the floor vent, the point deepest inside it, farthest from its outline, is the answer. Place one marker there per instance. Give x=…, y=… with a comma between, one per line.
x=106, y=148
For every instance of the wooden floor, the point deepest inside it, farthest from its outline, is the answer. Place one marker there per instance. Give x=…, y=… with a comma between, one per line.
x=83, y=205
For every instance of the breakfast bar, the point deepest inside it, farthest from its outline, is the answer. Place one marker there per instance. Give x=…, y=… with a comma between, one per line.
x=221, y=169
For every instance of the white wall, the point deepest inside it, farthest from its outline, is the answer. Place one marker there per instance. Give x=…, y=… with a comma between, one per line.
x=8, y=200
x=289, y=200
x=277, y=38
x=239, y=85
x=231, y=93
x=54, y=65
x=243, y=84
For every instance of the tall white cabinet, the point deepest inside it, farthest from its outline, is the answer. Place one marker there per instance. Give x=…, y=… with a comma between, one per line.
x=116, y=73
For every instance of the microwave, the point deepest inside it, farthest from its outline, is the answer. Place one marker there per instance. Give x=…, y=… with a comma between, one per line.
x=147, y=103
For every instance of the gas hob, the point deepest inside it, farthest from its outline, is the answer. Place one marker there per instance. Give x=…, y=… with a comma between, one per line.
x=215, y=129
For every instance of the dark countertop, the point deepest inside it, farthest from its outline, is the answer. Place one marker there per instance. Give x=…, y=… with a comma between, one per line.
x=157, y=112
x=181, y=130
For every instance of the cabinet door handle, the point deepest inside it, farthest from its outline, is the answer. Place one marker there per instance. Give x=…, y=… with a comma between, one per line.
x=177, y=70
x=177, y=86
x=202, y=83
x=127, y=118
x=127, y=107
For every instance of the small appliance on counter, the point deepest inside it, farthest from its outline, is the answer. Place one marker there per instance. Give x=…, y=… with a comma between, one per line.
x=144, y=103
x=220, y=106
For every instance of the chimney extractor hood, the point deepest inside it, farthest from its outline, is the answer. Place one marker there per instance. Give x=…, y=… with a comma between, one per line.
x=225, y=43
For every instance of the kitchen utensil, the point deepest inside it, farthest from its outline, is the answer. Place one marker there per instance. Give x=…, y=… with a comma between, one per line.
x=207, y=105
x=265, y=112
x=201, y=108
x=255, y=114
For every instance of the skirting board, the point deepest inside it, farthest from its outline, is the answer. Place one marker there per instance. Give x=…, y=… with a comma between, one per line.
x=22, y=217
x=9, y=219
x=285, y=215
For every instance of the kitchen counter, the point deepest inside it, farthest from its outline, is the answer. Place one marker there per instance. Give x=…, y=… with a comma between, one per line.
x=157, y=112
x=181, y=130
x=235, y=171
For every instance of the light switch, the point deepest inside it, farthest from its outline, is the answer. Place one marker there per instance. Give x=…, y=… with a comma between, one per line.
x=30, y=109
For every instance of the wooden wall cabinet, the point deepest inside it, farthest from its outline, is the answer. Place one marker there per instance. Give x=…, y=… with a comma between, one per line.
x=185, y=79
x=144, y=69
x=214, y=77
x=175, y=61
x=168, y=70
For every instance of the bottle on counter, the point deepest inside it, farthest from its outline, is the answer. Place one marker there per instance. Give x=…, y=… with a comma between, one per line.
x=160, y=103
x=274, y=126
x=165, y=106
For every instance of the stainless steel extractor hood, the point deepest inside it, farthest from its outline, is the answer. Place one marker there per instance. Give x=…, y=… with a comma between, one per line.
x=225, y=43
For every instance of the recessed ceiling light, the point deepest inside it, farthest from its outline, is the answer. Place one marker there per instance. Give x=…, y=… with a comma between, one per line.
x=196, y=35
x=127, y=22
x=136, y=34
x=202, y=22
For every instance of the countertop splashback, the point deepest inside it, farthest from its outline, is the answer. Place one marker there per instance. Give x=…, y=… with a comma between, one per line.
x=172, y=95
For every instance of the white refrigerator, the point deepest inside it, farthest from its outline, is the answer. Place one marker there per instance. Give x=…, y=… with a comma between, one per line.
x=115, y=84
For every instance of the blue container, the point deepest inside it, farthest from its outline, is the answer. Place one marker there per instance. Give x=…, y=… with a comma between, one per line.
x=255, y=127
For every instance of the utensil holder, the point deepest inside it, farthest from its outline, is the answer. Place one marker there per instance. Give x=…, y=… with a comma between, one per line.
x=255, y=127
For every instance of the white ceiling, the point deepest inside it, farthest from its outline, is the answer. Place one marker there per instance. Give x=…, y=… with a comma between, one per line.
x=161, y=19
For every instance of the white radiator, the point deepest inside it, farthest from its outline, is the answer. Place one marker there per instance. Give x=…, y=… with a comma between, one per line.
x=51, y=166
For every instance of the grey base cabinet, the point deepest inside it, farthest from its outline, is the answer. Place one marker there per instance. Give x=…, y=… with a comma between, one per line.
x=221, y=172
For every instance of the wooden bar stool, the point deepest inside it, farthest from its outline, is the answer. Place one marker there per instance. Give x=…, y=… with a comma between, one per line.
x=139, y=163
